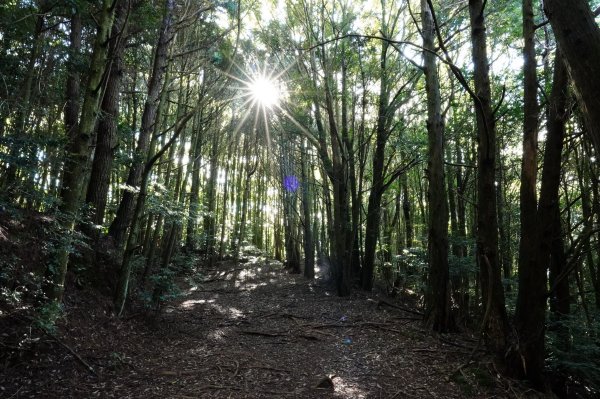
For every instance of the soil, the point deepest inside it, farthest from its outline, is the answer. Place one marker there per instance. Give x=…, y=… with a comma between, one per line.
x=240, y=330
x=243, y=331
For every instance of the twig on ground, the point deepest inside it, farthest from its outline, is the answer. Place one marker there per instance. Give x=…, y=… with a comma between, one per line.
x=263, y=333
x=393, y=305
x=75, y=354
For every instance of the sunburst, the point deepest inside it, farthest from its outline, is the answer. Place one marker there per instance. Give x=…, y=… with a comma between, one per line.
x=265, y=91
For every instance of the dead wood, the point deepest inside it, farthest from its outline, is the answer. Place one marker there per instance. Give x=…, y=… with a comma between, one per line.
x=55, y=339
x=264, y=333
x=383, y=302
x=75, y=354
x=219, y=358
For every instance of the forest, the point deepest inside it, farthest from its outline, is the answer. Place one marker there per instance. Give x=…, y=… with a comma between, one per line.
x=299, y=198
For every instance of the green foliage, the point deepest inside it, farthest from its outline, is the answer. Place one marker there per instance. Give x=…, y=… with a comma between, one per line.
x=164, y=281
x=47, y=315
x=159, y=202
x=461, y=265
x=164, y=286
x=574, y=355
x=412, y=264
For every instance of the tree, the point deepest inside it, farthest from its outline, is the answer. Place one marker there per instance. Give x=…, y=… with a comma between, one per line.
x=106, y=137
x=437, y=298
x=387, y=106
x=495, y=321
x=78, y=151
x=528, y=195
x=578, y=37
x=307, y=225
x=123, y=218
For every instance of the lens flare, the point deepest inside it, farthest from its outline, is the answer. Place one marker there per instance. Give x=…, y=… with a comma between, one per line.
x=264, y=91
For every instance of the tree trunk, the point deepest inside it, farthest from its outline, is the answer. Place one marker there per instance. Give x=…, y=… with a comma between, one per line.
x=495, y=322
x=406, y=212
x=78, y=153
x=531, y=301
x=385, y=113
x=123, y=218
x=307, y=200
x=528, y=201
x=106, y=137
x=210, y=198
x=437, y=295
x=191, y=239
x=132, y=239
x=578, y=37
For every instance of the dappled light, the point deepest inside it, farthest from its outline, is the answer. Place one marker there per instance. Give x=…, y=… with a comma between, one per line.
x=345, y=389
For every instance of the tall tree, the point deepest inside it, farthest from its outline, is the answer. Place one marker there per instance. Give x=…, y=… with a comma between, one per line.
x=495, y=321
x=531, y=303
x=307, y=200
x=78, y=151
x=437, y=296
x=578, y=37
x=124, y=214
x=106, y=137
x=528, y=197
x=385, y=115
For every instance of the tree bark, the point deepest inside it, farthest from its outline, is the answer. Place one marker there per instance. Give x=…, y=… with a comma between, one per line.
x=307, y=199
x=191, y=239
x=106, y=136
x=495, y=322
x=578, y=37
x=437, y=295
x=78, y=153
x=118, y=227
x=376, y=193
x=527, y=193
x=531, y=302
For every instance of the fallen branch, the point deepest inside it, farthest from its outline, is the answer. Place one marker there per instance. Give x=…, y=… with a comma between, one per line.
x=67, y=347
x=172, y=373
x=235, y=388
x=56, y=339
x=263, y=333
x=459, y=345
x=393, y=305
x=381, y=326
x=309, y=337
x=267, y=368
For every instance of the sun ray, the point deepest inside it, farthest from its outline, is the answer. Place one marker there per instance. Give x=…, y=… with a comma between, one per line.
x=304, y=130
x=264, y=90
x=242, y=121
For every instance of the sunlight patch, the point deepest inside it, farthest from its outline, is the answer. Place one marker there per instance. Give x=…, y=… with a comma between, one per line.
x=217, y=335
x=235, y=313
x=193, y=302
x=347, y=389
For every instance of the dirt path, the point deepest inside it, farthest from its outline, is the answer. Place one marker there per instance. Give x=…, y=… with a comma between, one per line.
x=252, y=332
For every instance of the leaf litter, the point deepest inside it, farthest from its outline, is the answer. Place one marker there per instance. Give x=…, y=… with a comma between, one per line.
x=246, y=332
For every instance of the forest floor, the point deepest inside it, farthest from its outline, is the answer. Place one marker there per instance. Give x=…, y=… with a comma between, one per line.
x=245, y=331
